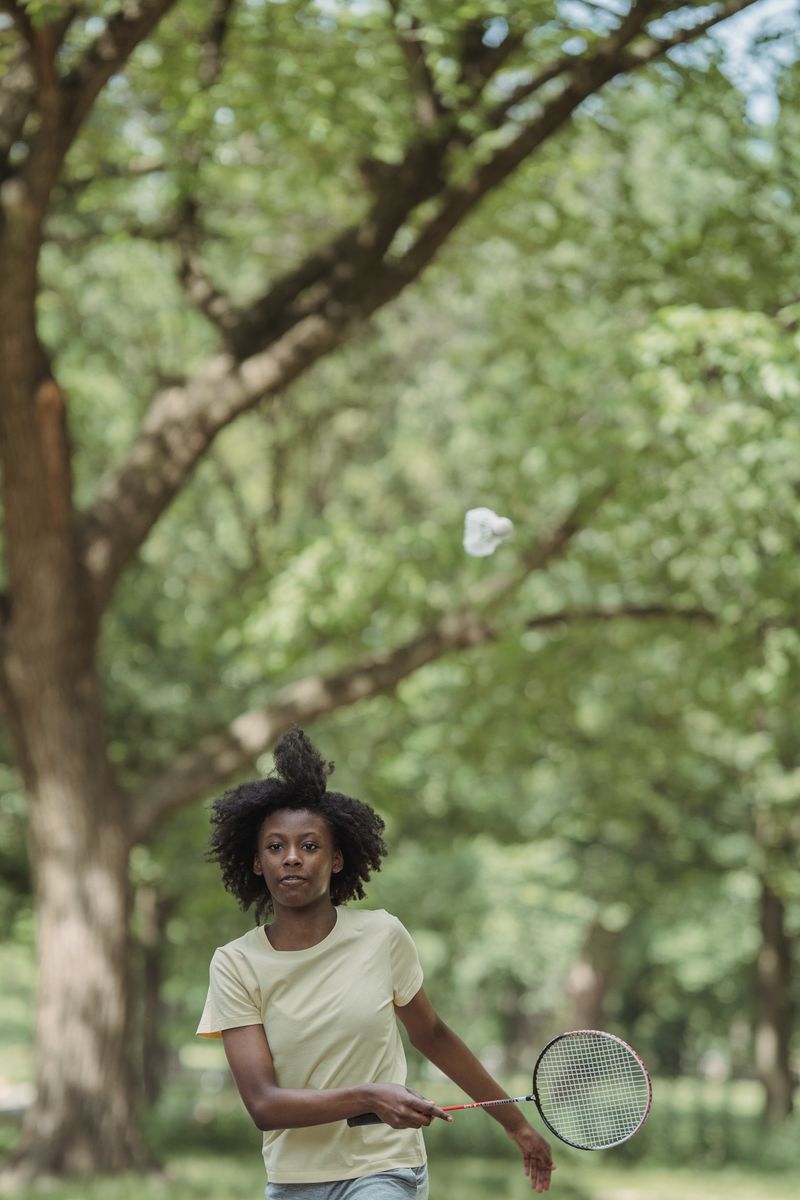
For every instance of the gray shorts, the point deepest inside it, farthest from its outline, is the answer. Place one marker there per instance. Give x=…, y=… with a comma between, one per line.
x=402, y=1183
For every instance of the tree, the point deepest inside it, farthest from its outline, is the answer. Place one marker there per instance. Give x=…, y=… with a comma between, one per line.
x=487, y=86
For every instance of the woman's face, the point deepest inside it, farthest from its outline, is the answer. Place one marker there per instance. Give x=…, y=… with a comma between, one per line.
x=296, y=856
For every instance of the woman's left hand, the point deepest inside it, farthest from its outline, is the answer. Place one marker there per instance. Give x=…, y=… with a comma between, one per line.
x=536, y=1156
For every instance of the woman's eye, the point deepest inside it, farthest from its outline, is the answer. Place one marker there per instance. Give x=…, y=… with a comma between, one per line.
x=274, y=846
x=310, y=846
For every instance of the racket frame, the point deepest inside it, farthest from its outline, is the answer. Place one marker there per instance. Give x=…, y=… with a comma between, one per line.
x=607, y=1036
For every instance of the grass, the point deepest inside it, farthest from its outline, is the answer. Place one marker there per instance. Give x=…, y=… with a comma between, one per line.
x=662, y=1183
x=204, y=1177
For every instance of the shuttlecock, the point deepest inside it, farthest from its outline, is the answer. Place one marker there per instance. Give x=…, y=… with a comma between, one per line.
x=484, y=531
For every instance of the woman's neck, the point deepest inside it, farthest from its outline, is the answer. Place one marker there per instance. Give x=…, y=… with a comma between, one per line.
x=293, y=929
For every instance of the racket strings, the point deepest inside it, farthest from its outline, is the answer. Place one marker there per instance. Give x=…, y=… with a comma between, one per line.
x=593, y=1090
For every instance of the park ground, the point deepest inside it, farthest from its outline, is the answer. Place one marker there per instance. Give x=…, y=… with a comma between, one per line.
x=240, y=1177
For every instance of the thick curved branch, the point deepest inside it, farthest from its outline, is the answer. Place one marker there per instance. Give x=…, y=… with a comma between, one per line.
x=315, y=307
x=217, y=759
x=220, y=756
x=181, y=425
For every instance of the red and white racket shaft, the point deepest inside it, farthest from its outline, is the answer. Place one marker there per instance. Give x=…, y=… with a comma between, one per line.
x=486, y=1103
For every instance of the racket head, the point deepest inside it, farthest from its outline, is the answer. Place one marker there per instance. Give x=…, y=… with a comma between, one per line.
x=592, y=1089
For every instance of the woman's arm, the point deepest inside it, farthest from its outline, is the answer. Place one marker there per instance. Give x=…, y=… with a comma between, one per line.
x=441, y=1046
x=274, y=1107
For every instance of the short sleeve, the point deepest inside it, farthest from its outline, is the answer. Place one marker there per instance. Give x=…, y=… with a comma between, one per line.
x=229, y=1003
x=406, y=969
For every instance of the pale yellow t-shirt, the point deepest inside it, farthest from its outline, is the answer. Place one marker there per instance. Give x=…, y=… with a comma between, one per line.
x=328, y=1013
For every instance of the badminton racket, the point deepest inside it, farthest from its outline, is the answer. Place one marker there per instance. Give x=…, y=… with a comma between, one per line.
x=592, y=1090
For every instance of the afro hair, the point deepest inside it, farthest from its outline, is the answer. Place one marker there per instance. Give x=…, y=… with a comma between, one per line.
x=299, y=781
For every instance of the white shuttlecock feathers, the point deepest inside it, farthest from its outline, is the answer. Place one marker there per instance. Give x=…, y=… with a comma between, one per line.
x=484, y=530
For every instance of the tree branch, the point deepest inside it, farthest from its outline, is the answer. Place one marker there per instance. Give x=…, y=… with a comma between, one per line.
x=211, y=51
x=350, y=264
x=214, y=304
x=588, y=76
x=570, y=616
x=180, y=426
x=217, y=759
x=135, y=169
x=130, y=25
x=657, y=47
x=608, y=45
x=93, y=231
x=523, y=91
x=479, y=61
x=428, y=105
x=220, y=756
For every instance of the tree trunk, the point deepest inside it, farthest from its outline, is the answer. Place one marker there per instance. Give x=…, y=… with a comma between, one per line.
x=78, y=831
x=153, y=911
x=590, y=976
x=82, y=1118
x=774, y=1024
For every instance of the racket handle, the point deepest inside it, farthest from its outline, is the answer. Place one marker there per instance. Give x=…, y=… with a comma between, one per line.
x=364, y=1119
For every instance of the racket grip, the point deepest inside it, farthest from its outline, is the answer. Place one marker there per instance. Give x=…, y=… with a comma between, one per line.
x=364, y=1119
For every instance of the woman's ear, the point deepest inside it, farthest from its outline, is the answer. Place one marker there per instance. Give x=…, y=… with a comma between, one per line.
x=257, y=865
x=338, y=861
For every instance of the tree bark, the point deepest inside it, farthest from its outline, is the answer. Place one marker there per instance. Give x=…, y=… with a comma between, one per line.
x=589, y=978
x=154, y=1054
x=78, y=839
x=82, y=1118
x=775, y=1008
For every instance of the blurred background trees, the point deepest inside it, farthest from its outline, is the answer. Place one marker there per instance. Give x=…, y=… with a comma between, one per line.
x=592, y=786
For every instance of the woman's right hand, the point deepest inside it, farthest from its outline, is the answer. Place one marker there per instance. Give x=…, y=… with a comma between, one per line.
x=402, y=1107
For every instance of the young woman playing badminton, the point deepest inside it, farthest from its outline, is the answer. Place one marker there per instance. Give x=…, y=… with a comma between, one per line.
x=306, y=1005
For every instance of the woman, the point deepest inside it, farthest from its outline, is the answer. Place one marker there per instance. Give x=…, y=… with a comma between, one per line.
x=306, y=1005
